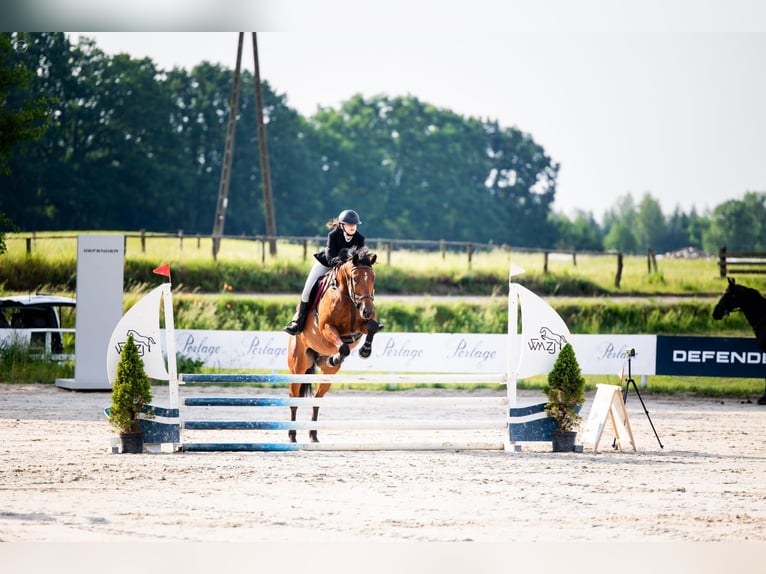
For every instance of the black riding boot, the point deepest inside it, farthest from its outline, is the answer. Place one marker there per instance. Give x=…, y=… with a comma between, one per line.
x=299, y=319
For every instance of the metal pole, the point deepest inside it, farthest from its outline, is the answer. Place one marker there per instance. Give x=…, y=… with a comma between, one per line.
x=268, y=201
x=223, y=191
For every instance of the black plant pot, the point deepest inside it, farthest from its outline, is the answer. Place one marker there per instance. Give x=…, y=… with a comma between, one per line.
x=563, y=441
x=132, y=442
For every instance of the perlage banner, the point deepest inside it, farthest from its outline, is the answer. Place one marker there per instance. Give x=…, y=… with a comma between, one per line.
x=411, y=352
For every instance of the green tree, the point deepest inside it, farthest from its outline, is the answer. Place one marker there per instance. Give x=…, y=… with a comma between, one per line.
x=738, y=224
x=132, y=389
x=620, y=226
x=581, y=233
x=650, y=225
x=22, y=114
x=565, y=390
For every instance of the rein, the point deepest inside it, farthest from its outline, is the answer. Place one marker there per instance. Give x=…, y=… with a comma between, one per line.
x=356, y=300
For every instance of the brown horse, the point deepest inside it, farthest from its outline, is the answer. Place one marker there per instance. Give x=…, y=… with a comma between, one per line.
x=345, y=313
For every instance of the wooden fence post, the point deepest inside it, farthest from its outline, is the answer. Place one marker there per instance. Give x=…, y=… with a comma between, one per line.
x=545, y=262
x=305, y=249
x=651, y=260
x=180, y=239
x=470, y=254
x=618, y=277
x=143, y=241
x=388, y=252
x=443, y=249
x=722, y=260
x=263, y=250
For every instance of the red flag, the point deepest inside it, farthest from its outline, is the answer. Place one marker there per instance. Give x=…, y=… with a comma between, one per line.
x=163, y=270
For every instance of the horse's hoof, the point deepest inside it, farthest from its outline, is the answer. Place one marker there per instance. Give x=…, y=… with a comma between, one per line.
x=365, y=352
x=762, y=400
x=313, y=436
x=291, y=434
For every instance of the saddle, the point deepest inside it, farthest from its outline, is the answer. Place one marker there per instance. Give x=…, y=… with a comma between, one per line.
x=322, y=284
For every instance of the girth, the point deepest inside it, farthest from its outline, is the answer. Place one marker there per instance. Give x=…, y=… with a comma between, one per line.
x=348, y=339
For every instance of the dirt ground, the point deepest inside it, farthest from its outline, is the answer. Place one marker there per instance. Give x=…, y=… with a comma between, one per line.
x=448, y=511
x=60, y=482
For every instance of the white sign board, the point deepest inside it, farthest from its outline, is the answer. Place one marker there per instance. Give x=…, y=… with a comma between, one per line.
x=391, y=352
x=412, y=352
x=608, y=404
x=100, y=270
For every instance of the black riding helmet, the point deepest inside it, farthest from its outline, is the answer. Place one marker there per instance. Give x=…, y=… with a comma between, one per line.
x=350, y=217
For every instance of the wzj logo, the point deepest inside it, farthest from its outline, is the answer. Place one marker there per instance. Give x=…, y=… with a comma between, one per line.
x=548, y=341
x=143, y=343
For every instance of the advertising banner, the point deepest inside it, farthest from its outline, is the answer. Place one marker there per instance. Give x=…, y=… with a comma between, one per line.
x=412, y=352
x=710, y=357
x=391, y=352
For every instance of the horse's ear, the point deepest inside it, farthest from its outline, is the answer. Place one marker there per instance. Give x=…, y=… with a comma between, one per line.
x=373, y=258
x=731, y=281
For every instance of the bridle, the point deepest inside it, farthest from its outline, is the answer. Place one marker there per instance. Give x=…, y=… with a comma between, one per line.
x=731, y=304
x=357, y=299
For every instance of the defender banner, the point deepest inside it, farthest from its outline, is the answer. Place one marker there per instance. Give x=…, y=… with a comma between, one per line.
x=710, y=357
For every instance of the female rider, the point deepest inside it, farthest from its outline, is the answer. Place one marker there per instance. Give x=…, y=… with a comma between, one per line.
x=342, y=237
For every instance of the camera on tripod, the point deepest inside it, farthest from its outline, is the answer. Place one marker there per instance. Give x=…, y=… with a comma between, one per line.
x=629, y=381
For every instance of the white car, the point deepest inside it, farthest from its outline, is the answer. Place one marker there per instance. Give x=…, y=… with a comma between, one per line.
x=34, y=320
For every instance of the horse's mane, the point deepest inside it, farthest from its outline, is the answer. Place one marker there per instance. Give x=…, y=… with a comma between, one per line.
x=748, y=292
x=345, y=255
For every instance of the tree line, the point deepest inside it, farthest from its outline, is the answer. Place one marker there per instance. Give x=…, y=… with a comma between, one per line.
x=113, y=142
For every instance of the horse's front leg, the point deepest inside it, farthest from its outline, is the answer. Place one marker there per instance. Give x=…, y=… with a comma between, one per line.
x=332, y=336
x=322, y=388
x=372, y=327
x=762, y=400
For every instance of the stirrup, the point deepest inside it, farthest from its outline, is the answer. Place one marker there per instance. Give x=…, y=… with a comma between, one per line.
x=292, y=328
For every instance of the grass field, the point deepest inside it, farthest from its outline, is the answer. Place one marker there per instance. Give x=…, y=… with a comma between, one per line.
x=686, y=277
x=689, y=278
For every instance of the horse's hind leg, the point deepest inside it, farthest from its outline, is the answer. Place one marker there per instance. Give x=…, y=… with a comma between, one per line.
x=322, y=388
x=308, y=363
x=762, y=400
x=294, y=392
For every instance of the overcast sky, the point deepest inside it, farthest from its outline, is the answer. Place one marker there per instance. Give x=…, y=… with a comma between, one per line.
x=668, y=101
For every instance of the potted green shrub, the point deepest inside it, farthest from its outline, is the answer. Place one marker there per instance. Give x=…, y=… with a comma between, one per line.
x=132, y=391
x=566, y=394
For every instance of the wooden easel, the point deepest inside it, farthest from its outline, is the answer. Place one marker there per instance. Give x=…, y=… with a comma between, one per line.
x=608, y=403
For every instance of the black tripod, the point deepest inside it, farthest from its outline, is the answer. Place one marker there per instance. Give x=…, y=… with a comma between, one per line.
x=629, y=381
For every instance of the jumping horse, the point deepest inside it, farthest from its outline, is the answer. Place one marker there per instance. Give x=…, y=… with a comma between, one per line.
x=344, y=313
x=752, y=304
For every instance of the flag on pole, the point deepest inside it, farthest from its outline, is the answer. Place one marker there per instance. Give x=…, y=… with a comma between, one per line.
x=142, y=321
x=163, y=270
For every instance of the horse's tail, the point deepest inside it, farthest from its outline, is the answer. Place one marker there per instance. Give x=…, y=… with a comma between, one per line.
x=306, y=390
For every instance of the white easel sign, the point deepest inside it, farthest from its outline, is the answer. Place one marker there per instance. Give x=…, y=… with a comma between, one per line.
x=608, y=403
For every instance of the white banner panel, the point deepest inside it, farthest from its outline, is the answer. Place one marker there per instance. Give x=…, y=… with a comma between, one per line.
x=412, y=352
x=607, y=354
x=100, y=269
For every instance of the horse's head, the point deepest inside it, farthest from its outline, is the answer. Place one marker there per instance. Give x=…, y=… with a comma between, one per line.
x=360, y=281
x=729, y=301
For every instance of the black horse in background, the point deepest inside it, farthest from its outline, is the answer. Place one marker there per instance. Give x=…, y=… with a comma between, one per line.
x=753, y=305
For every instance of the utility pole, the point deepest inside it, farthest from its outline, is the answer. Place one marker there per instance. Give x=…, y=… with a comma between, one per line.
x=268, y=201
x=223, y=190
